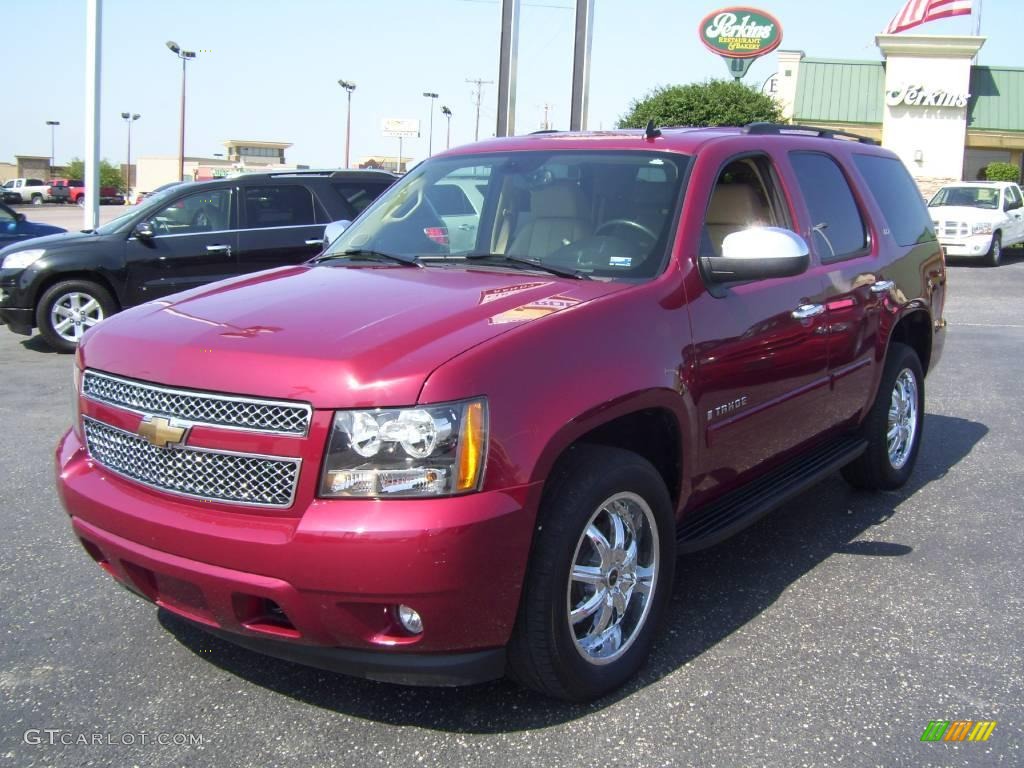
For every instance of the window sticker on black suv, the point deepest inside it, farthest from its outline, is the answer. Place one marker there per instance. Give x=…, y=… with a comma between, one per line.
x=836, y=223
x=898, y=196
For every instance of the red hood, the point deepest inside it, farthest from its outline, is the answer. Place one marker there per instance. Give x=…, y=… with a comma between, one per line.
x=336, y=337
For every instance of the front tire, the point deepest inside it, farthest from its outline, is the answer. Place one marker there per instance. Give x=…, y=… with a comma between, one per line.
x=600, y=575
x=995, y=251
x=893, y=427
x=68, y=309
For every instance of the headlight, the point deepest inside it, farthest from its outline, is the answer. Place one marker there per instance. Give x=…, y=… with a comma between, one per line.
x=435, y=450
x=981, y=229
x=22, y=259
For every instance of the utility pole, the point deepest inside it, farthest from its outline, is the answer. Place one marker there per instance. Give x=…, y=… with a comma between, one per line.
x=53, y=126
x=508, y=53
x=129, y=118
x=433, y=97
x=448, y=115
x=93, y=59
x=185, y=57
x=546, y=125
x=479, y=94
x=349, y=86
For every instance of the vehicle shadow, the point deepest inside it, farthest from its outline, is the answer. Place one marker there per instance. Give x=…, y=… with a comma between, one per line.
x=716, y=592
x=37, y=344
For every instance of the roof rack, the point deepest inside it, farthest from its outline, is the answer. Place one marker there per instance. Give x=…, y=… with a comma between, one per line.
x=545, y=130
x=762, y=129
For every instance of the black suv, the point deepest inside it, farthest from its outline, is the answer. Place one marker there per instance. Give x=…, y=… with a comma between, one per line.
x=191, y=234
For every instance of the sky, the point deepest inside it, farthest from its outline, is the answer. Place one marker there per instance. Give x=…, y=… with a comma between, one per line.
x=269, y=70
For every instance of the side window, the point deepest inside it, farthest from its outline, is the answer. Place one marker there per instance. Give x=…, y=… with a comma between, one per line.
x=1013, y=195
x=744, y=197
x=449, y=200
x=200, y=212
x=898, y=197
x=837, y=225
x=6, y=216
x=360, y=194
x=283, y=206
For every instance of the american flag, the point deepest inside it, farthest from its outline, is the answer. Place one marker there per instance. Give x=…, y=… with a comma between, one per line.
x=919, y=11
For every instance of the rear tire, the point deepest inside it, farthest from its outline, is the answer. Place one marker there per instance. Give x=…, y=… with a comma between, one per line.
x=595, y=590
x=68, y=309
x=995, y=251
x=893, y=427
x=37, y=199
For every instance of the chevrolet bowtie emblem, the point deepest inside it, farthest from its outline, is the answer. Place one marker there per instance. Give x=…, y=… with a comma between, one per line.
x=160, y=432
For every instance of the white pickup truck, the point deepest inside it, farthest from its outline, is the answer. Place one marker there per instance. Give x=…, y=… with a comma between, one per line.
x=978, y=218
x=33, y=191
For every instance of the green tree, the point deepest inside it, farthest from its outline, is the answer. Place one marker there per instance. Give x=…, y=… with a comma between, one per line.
x=1002, y=172
x=715, y=102
x=110, y=174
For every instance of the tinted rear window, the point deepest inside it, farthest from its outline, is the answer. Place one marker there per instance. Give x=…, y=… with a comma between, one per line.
x=835, y=216
x=898, y=197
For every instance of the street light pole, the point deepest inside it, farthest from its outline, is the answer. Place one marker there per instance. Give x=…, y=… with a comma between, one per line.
x=53, y=127
x=184, y=56
x=430, y=143
x=349, y=86
x=448, y=116
x=129, y=118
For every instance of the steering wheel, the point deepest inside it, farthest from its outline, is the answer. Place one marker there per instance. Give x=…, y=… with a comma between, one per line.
x=627, y=223
x=413, y=202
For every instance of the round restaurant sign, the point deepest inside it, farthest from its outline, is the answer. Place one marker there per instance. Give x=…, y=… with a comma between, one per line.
x=740, y=33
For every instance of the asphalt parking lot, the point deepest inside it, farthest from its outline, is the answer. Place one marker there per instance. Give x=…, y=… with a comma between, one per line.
x=831, y=633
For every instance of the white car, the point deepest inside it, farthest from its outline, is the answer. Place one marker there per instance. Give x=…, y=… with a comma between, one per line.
x=978, y=218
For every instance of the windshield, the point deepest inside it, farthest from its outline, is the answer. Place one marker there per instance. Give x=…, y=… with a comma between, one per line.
x=122, y=221
x=972, y=197
x=605, y=214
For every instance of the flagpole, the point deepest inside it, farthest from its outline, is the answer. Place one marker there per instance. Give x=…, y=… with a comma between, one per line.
x=977, y=21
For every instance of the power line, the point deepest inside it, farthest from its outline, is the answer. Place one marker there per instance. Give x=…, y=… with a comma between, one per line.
x=479, y=83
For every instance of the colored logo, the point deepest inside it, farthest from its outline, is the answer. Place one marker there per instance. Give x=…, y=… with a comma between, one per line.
x=160, y=432
x=740, y=33
x=958, y=730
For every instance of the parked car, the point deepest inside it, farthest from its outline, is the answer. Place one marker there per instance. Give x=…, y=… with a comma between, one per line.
x=978, y=218
x=146, y=195
x=15, y=227
x=189, y=235
x=427, y=464
x=23, y=190
x=73, y=191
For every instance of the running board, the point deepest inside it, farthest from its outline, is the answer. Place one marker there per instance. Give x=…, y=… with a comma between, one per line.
x=706, y=526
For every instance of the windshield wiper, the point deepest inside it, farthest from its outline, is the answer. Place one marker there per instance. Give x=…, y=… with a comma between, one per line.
x=368, y=254
x=516, y=260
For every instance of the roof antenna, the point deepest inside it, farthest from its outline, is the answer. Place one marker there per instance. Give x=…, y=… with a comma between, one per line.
x=651, y=132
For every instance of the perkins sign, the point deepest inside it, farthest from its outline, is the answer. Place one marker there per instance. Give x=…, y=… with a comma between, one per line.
x=740, y=33
x=919, y=96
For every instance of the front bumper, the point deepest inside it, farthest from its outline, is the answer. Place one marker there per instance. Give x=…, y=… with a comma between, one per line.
x=18, y=320
x=974, y=245
x=320, y=588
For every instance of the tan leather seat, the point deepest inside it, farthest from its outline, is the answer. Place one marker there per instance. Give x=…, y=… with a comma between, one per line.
x=557, y=221
x=734, y=207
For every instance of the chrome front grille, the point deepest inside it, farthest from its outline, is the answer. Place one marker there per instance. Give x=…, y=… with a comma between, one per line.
x=200, y=473
x=232, y=412
x=951, y=228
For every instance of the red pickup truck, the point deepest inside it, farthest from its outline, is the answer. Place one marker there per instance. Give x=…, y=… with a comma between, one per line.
x=433, y=464
x=73, y=191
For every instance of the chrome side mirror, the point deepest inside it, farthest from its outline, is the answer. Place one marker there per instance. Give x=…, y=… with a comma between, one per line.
x=144, y=230
x=758, y=253
x=334, y=230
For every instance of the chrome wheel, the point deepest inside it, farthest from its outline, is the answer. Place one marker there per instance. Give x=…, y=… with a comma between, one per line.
x=73, y=314
x=614, y=571
x=902, y=419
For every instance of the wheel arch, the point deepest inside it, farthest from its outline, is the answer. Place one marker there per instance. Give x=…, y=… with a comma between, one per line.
x=914, y=329
x=59, y=277
x=651, y=424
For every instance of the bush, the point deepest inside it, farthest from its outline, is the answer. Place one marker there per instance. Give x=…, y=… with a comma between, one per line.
x=1002, y=172
x=715, y=102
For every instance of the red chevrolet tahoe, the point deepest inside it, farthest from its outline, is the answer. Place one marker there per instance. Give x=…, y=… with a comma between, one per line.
x=472, y=437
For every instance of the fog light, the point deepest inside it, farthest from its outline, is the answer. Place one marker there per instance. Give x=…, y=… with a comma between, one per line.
x=409, y=619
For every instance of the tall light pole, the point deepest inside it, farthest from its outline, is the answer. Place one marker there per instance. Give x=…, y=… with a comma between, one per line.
x=448, y=116
x=129, y=118
x=184, y=56
x=349, y=86
x=53, y=127
x=430, y=142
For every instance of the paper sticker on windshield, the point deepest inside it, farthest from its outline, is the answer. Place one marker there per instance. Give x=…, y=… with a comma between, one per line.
x=620, y=261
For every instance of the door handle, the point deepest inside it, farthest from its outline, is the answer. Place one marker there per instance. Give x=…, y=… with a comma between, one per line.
x=315, y=242
x=219, y=249
x=466, y=227
x=882, y=286
x=806, y=311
